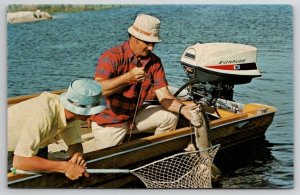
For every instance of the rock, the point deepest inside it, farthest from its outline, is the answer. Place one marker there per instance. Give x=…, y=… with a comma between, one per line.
x=27, y=16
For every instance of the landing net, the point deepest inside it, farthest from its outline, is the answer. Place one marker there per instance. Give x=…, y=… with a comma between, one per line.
x=182, y=170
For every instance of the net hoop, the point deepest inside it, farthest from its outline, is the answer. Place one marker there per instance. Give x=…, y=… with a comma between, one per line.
x=182, y=170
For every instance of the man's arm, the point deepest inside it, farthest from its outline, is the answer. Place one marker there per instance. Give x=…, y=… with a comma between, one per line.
x=170, y=103
x=111, y=86
x=36, y=163
x=72, y=170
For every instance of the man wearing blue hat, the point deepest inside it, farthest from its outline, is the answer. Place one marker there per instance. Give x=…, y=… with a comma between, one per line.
x=40, y=121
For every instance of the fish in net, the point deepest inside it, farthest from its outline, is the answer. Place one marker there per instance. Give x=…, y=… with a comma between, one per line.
x=183, y=170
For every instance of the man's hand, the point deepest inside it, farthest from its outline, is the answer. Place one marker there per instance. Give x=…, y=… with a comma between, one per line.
x=74, y=171
x=137, y=74
x=185, y=111
x=78, y=159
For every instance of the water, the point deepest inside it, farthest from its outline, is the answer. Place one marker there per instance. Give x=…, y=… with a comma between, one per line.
x=47, y=55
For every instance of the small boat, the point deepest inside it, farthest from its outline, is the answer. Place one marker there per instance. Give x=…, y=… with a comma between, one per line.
x=231, y=124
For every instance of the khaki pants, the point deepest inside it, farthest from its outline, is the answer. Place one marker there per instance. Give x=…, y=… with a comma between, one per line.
x=151, y=118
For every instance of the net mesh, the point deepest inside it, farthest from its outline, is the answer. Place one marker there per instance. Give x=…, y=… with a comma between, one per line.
x=182, y=170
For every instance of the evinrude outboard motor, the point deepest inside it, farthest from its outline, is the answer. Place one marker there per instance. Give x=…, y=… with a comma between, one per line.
x=214, y=68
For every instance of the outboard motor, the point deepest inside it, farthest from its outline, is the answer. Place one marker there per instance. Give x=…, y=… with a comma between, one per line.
x=214, y=68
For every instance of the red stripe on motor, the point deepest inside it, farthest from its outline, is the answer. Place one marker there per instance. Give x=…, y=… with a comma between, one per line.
x=223, y=67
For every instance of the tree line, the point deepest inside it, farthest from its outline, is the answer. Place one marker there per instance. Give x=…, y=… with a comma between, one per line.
x=52, y=8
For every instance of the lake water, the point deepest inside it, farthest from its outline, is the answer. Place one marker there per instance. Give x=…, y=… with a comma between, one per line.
x=47, y=55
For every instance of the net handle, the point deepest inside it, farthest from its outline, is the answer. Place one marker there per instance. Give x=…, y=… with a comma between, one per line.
x=93, y=171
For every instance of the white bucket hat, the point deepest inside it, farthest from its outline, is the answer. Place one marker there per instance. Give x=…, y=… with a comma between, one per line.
x=145, y=28
x=84, y=97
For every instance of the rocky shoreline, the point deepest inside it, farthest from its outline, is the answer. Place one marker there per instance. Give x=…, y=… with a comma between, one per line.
x=27, y=16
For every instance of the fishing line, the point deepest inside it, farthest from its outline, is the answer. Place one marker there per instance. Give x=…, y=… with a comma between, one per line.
x=135, y=111
x=137, y=105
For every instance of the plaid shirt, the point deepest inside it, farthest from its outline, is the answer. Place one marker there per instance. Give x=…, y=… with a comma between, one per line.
x=121, y=105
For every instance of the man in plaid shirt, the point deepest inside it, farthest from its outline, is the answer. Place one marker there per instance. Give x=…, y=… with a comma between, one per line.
x=129, y=74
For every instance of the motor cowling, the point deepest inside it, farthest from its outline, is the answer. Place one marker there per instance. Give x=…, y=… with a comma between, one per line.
x=214, y=68
x=229, y=63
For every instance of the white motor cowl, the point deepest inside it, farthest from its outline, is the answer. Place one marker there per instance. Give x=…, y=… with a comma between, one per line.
x=220, y=62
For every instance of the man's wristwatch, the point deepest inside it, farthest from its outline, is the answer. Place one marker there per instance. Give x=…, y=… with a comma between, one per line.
x=180, y=108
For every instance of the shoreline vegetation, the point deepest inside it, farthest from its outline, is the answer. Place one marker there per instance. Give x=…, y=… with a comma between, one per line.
x=53, y=8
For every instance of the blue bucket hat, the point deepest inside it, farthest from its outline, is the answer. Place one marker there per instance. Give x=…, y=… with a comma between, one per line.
x=83, y=97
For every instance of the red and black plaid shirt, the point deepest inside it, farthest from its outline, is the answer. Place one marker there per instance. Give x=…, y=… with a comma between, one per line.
x=121, y=105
